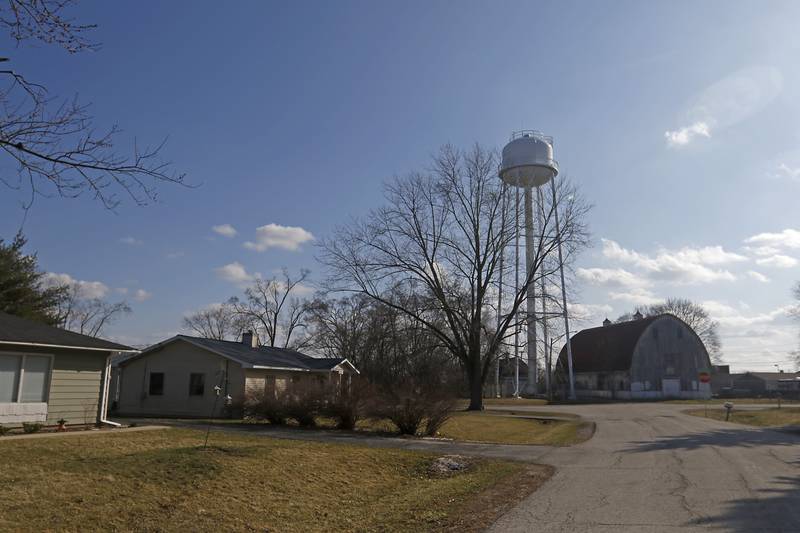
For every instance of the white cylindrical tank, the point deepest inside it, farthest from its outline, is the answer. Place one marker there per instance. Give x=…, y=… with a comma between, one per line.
x=528, y=160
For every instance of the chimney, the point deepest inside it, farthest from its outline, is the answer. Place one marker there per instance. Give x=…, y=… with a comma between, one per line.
x=249, y=339
x=606, y=322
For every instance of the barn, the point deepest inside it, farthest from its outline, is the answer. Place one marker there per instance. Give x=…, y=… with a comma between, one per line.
x=653, y=357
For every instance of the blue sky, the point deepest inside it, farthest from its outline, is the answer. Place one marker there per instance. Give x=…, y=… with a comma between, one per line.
x=679, y=120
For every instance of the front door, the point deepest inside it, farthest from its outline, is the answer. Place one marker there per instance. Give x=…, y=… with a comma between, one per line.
x=671, y=387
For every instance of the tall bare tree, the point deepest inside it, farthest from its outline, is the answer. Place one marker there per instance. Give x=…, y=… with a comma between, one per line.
x=272, y=306
x=695, y=315
x=433, y=253
x=88, y=316
x=220, y=322
x=53, y=144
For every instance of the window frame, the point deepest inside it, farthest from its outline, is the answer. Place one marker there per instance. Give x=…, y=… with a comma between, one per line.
x=150, y=383
x=202, y=384
x=48, y=380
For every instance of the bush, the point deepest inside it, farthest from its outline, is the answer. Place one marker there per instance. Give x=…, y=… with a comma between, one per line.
x=303, y=408
x=438, y=412
x=31, y=427
x=347, y=406
x=4, y=430
x=414, y=410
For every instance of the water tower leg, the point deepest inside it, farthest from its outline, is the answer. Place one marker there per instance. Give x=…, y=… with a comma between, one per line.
x=563, y=294
x=516, y=291
x=531, y=386
x=543, y=296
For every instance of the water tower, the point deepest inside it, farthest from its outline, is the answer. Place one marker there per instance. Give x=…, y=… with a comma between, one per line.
x=528, y=164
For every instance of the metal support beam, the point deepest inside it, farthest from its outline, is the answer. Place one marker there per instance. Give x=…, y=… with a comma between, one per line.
x=531, y=386
x=563, y=294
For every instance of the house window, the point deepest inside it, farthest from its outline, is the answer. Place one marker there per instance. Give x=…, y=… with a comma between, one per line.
x=24, y=378
x=156, y=383
x=197, y=384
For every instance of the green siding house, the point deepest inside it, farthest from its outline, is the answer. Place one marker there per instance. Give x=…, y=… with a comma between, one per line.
x=48, y=373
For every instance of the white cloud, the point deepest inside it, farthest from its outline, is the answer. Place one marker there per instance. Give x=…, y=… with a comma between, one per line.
x=684, y=136
x=589, y=313
x=226, y=230
x=277, y=236
x=612, y=277
x=638, y=296
x=141, y=295
x=758, y=276
x=778, y=261
x=788, y=238
x=729, y=316
x=236, y=273
x=84, y=289
x=131, y=241
x=727, y=102
x=683, y=266
x=785, y=171
x=122, y=290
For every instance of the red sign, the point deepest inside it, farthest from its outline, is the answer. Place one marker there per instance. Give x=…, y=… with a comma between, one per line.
x=705, y=377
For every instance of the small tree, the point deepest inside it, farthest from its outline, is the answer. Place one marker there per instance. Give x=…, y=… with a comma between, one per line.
x=23, y=291
x=220, y=322
x=88, y=316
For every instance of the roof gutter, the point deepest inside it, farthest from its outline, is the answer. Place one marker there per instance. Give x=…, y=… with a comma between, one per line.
x=42, y=345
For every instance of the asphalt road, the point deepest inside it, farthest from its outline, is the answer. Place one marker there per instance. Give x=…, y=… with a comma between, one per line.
x=650, y=468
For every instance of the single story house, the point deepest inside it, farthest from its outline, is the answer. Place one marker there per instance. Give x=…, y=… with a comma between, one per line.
x=49, y=373
x=178, y=377
x=655, y=357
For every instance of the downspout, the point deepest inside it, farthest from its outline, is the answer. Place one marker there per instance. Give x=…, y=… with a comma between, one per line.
x=104, y=394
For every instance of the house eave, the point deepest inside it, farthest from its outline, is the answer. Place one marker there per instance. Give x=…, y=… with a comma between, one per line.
x=65, y=347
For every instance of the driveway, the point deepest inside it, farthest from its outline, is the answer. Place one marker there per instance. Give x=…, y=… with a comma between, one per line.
x=650, y=468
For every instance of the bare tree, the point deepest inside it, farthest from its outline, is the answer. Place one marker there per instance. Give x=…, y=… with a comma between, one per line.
x=88, y=316
x=54, y=144
x=695, y=315
x=220, y=322
x=433, y=253
x=274, y=309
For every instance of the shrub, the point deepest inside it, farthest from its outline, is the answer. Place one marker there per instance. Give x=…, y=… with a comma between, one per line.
x=4, y=430
x=259, y=405
x=31, y=427
x=438, y=412
x=405, y=409
x=303, y=408
x=347, y=406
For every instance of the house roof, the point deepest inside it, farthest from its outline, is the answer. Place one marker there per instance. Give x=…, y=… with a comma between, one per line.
x=606, y=348
x=260, y=357
x=21, y=331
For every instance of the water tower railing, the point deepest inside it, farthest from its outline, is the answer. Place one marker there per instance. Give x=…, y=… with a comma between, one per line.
x=536, y=134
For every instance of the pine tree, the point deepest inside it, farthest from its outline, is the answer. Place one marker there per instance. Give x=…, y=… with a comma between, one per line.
x=22, y=291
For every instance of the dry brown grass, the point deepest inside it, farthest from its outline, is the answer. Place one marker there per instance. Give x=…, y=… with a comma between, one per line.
x=164, y=481
x=785, y=416
x=505, y=429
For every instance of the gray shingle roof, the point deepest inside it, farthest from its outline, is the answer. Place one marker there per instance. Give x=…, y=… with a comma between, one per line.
x=22, y=330
x=262, y=356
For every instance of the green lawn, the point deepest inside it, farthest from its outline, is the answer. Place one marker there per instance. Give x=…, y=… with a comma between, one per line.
x=164, y=481
x=785, y=416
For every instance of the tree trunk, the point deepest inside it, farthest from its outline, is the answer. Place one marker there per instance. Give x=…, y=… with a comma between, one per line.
x=475, y=378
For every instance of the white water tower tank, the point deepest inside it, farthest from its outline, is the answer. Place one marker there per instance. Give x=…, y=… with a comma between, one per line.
x=528, y=160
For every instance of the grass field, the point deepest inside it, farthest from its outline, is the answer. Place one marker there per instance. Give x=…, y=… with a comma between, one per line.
x=506, y=429
x=488, y=402
x=164, y=481
x=740, y=401
x=785, y=416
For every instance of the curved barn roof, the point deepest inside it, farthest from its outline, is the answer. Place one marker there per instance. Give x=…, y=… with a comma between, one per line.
x=607, y=348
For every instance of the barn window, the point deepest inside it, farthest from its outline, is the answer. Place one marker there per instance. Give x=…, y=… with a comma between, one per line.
x=197, y=384
x=156, y=384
